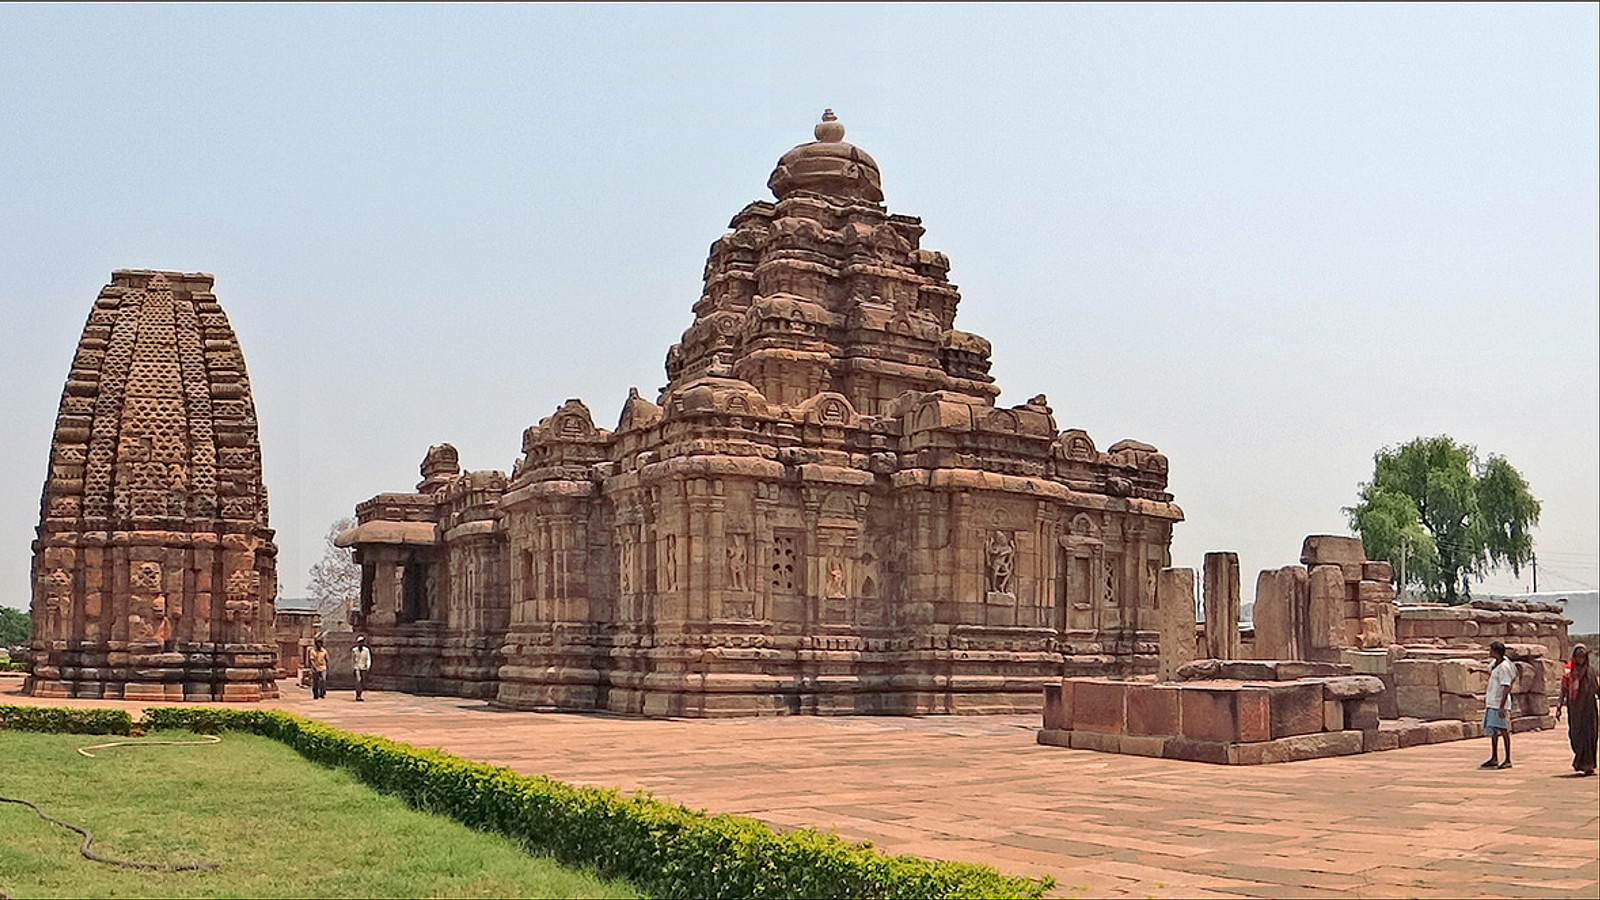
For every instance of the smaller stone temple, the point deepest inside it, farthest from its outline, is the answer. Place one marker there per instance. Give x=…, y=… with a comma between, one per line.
x=435, y=593
x=154, y=569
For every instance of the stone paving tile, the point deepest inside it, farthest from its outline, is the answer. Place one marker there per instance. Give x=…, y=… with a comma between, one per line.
x=1418, y=822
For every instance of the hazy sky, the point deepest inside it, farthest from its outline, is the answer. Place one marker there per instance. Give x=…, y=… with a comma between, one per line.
x=1268, y=240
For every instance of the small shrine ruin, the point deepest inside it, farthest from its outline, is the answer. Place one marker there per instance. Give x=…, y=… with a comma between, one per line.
x=154, y=570
x=1332, y=666
x=823, y=511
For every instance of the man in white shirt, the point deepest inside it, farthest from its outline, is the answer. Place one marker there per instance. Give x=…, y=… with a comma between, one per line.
x=1497, y=707
x=361, y=658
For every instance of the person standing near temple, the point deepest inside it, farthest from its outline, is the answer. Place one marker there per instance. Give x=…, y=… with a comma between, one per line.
x=1580, y=691
x=361, y=658
x=1497, y=707
x=319, y=671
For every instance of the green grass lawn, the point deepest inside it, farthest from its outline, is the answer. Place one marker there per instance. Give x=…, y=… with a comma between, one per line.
x=279, y=826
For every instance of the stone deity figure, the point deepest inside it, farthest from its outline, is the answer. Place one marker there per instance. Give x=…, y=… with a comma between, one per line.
x=836, y=579
x=738, y=562
x=1000, y=552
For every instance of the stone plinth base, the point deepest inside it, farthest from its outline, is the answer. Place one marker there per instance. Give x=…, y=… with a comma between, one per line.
x=1389, y=735
x=181, y=672
x=996, y=672
x=1240, y=722
x=423, y=658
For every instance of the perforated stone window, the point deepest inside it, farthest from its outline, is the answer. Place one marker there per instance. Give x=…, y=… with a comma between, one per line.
x=785, y=564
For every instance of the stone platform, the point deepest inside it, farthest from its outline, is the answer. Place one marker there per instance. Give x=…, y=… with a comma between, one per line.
x=1242, y=722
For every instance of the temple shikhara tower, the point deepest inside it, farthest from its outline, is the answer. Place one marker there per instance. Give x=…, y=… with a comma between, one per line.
x=823, y=511
x=154, y=570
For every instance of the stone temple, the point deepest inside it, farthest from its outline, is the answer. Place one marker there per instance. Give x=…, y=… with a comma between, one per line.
x=824, y=510
x=154, y=569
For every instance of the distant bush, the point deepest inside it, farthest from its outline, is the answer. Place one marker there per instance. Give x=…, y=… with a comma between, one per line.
x=62, y=719
x=667, y=850
x=16, y=627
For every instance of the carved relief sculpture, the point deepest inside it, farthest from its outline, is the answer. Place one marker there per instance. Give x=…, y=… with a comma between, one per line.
x=738, y=562
x=1000, y=551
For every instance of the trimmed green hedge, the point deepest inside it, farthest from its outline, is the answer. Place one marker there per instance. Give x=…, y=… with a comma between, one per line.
x=69, y=720
x=665, y=849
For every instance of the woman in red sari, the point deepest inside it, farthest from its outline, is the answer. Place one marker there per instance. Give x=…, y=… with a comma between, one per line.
x=1580, y=690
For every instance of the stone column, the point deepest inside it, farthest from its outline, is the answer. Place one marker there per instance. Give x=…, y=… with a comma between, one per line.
x=1175, y=620
x=1279, y=613
x=1222, y=605
x=1325, y=589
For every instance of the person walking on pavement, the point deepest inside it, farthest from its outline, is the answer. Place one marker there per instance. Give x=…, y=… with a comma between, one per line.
x=1497, y=707
x=319, y=671
x=1579, y=689
x=361, y=658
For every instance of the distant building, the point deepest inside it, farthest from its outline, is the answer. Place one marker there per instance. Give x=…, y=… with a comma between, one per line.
x=297, y=622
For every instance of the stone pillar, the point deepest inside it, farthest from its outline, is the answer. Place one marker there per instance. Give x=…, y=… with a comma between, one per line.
x=1222, y=605
x=1175, y=620
x=1325, y=592
x=1280, y=613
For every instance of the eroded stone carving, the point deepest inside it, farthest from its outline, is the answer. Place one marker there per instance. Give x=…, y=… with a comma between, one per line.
x=1000, y=551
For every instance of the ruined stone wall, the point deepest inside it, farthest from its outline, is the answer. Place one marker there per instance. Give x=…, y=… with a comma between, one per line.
x=1481, y=622
x=154, y=569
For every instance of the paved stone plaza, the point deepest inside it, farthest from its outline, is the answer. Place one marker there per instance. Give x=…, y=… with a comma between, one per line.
x=1417, y=822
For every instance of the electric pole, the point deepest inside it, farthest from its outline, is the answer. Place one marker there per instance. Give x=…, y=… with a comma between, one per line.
x=1405, y=545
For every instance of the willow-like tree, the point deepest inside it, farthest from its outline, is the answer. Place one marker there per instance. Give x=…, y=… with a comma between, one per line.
x=335, y=579
x=1433, y=510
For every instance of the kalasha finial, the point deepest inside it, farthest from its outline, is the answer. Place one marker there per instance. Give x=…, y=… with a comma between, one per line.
x=829, y=129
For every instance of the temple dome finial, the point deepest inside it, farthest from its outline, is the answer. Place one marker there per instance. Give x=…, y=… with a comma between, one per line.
x=828, y=166
x=829, y=130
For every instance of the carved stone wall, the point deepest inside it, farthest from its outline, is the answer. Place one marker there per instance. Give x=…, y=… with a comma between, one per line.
x=824, y=511
x=434, y=598
x=154, y=569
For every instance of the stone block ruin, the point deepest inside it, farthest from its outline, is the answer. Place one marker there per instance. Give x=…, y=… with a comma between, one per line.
x=154, y=570
x=1333, y=666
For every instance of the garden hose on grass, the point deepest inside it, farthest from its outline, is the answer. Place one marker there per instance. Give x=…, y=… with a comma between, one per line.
x=88, y=836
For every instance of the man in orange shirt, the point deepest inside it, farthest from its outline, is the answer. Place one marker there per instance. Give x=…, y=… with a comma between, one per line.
x=319, y=671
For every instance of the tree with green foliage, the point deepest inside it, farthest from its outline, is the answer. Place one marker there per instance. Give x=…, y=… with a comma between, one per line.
x=16, y=627
x=1434, y=511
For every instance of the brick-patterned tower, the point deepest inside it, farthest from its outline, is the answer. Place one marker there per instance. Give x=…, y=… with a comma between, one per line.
x=154, y=570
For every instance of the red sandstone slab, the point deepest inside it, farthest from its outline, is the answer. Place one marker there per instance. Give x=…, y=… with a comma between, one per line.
x=1153, y=709
x=1254, y=715
x=1209, y=715
x=1058, y=706
x=1296, y=709
x=1098, y=705
x=1196, y=750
